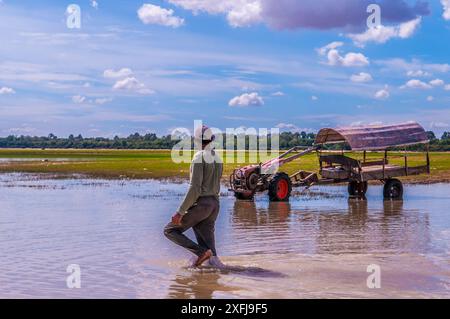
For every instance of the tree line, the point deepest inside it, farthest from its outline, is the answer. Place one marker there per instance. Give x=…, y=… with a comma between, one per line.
x=152, y=141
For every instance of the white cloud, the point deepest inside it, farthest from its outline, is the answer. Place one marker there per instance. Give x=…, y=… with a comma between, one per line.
x=246, y=15
x=417, y=73
x=247, y=99
x=151, y=14
x=430, y=98
x=279, y=93
x=414, y=66
x=78, y=99
x=416, y=84
x=349, y=60
x=437, y=82
x=102, y=101
x=361, y=77
x=407, y=29
x=94, y=4
x=132, y=84
x=382, y=94
x=239, y=13
x=335, y=58
x=447, y=87
x=314, y=98
x=382, y=34
x=330, y=46
x=6, y=90
x=122, y=73
x=446, y=5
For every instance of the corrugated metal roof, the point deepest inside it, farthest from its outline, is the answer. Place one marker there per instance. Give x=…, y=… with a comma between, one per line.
x=374, y=137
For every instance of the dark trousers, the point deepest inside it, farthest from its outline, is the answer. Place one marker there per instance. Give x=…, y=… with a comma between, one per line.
x=201, y=218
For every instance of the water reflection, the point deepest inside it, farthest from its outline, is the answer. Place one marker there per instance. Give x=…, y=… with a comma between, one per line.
x=355, y=228
x=314, y=246
x=196, y=285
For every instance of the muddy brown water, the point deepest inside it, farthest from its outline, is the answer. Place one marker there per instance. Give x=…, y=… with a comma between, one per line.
x=318, y=245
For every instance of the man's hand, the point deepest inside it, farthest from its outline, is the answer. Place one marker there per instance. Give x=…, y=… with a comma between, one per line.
x=176, y=219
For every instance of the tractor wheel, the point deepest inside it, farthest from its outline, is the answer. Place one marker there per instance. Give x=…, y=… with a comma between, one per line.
x=393, y=189
x=243, y=196
x=357, y=189
x=280, y=188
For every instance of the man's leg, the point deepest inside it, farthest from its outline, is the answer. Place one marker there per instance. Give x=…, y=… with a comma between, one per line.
x=204, y=231
x=175, y=232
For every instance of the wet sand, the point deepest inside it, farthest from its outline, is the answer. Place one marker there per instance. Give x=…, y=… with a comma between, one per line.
x=318, y=245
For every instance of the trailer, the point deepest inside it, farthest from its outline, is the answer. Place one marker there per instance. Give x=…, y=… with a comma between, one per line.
x=337, y=166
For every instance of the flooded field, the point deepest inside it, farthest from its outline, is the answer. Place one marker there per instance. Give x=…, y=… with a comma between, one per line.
x=318, y=245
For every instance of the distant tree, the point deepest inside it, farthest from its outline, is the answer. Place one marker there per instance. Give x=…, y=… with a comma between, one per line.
x=431, y=136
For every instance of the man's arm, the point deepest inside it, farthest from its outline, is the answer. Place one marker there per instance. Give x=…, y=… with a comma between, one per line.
x=194, y=188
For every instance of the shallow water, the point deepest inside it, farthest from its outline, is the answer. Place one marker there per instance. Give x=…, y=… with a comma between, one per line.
x=318, y=245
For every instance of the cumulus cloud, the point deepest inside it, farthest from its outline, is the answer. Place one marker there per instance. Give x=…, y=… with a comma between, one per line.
x=382, y=94
x=78, y=99
x=246, y=15
x=361, y=77
x=112, y=74
x=382, y=34
x=6, y=90
x=132, y=84
x=294, y=14
x=247, y=99
x=94, y=4
x=437, y=82
x=348, y=60
x=446, y=5
x=239, y=13
x=279, y=93
x=152, y=14
x=330, y=46
x=416, y=84
x=314, y=98
x=417, y=73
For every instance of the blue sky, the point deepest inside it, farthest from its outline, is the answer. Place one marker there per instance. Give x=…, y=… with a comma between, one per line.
x=152, y=66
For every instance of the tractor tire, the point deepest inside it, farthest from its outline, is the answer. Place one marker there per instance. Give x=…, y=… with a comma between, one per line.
x=357, y=189
x=280, y=188
x=393, y=189
x=242, y=196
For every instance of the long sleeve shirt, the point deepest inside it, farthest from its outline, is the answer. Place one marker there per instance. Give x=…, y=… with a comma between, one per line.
x=205, y=174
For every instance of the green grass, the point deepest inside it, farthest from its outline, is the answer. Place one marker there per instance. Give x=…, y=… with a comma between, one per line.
x=158, y=163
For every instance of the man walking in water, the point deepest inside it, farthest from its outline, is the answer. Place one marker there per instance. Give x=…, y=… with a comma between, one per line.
x=200, y=206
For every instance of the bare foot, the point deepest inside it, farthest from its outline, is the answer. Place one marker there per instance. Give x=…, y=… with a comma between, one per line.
x=201, y=259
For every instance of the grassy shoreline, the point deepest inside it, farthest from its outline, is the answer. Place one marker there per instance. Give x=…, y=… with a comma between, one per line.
x=158, y=164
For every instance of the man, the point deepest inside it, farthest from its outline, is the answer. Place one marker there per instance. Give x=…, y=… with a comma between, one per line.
x=200, y=206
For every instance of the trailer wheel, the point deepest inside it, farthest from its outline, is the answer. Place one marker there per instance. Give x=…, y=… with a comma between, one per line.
x=393, y=189
x=280, y=188
x=243, y=196
x=357, y=189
